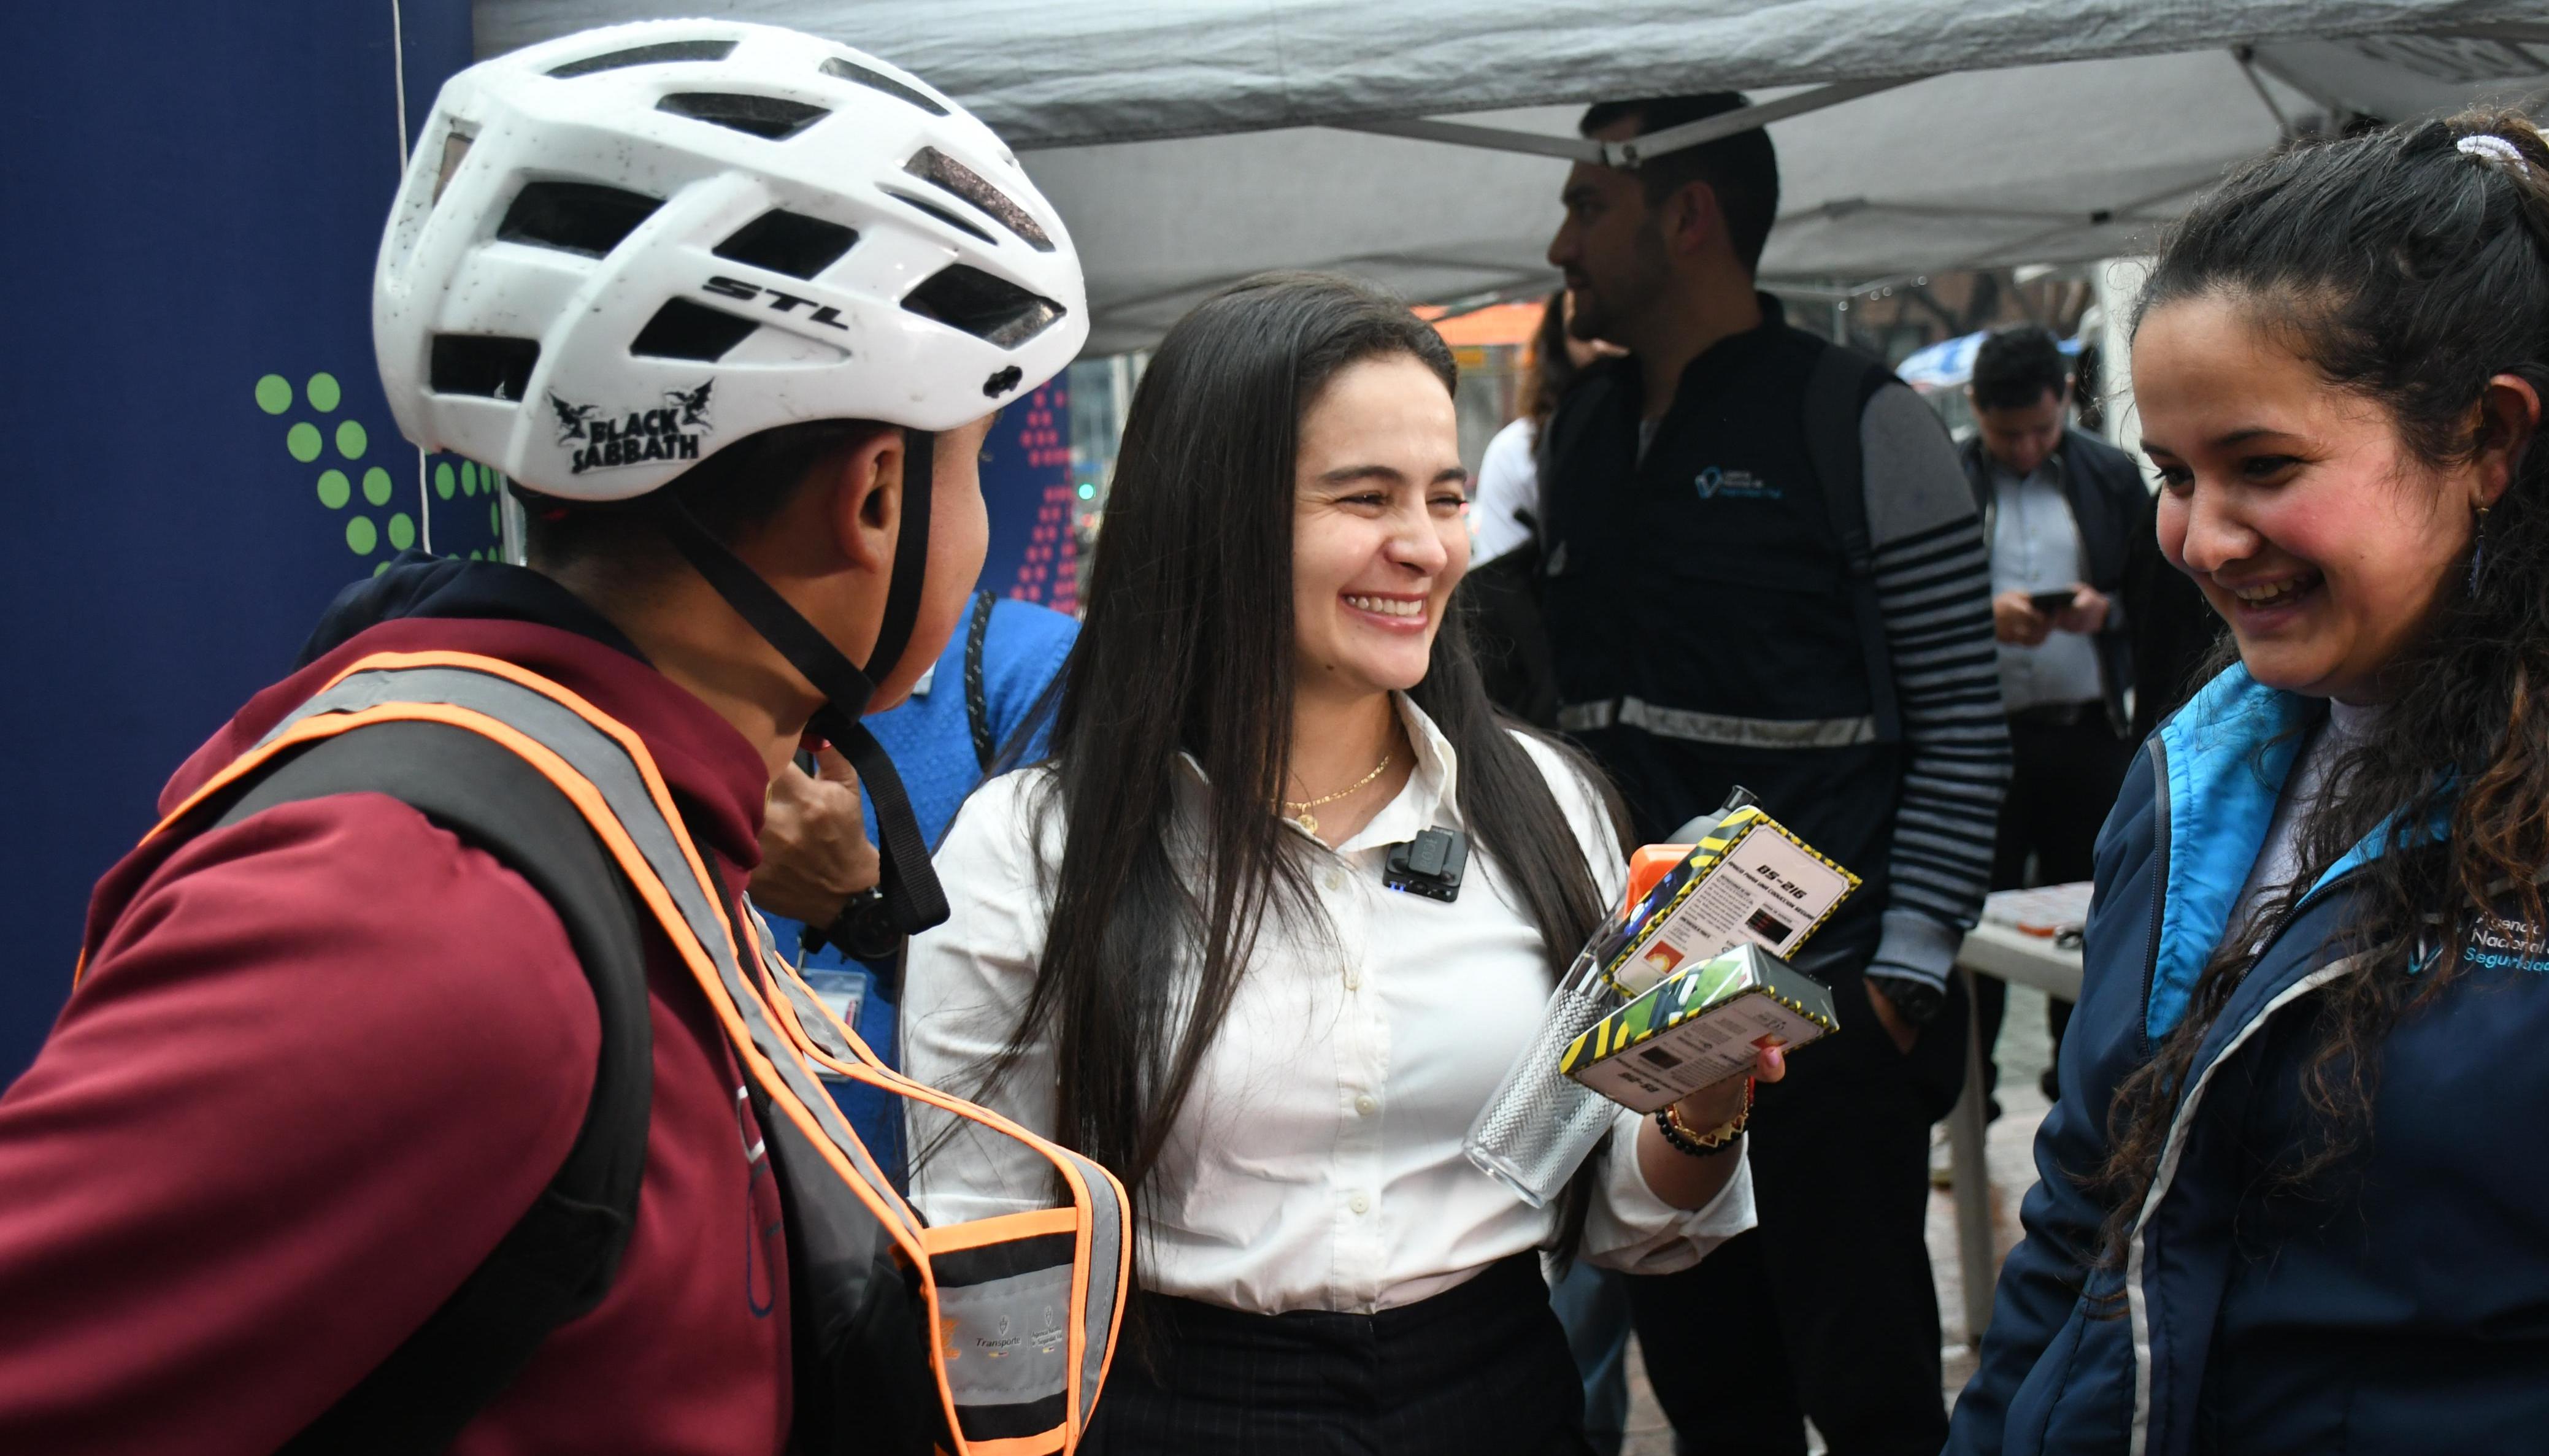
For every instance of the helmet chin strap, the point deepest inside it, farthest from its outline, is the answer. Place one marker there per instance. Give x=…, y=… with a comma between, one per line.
x=914, y=900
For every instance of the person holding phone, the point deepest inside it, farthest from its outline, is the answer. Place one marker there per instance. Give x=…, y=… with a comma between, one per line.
x=2059, y=506
x=1173, y=947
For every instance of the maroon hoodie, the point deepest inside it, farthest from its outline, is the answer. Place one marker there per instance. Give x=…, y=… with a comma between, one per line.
x=322, y=1061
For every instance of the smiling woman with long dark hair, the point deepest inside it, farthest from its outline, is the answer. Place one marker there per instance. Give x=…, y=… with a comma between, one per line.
x=2296, y=1191
x=1171, y=947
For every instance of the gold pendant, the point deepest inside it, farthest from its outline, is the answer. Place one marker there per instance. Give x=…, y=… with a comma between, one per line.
x=1310, y=823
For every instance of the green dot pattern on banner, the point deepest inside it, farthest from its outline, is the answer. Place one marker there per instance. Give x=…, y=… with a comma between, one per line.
x=468, y=478
x=384, y=565
x=495, y=520
x=306, y=440
x=443, y=480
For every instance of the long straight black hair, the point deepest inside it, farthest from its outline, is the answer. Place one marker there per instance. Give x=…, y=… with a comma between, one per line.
x=1188, y=648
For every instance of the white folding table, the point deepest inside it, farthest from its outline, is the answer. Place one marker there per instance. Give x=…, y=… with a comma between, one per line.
x=2019, y=959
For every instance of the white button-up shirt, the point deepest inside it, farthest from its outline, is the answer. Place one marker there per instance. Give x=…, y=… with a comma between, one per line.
x=2035, y=547
x=1317, y=1163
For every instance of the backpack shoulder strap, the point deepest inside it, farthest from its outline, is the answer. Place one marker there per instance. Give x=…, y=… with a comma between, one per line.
x=558, y=1260
x=977, y=699
x=1838, y=390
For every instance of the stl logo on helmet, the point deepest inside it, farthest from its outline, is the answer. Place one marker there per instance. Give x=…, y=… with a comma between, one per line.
x=635, y=436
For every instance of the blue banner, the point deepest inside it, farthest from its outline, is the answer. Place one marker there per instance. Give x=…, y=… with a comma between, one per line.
x=1026, y=484
x=203, y=455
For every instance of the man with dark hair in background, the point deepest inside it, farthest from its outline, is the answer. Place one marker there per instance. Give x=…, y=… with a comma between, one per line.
x=2059, y=506
x=1765, y=569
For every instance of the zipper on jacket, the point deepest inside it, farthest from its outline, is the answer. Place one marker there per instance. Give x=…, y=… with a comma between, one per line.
x=2293, y=912
x=2159, y=885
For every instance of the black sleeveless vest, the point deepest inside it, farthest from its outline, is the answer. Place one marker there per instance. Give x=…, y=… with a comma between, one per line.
x=1700, y=610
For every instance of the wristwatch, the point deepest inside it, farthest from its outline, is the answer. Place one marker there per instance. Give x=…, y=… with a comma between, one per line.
x=862, y=930
x=1916, y=1001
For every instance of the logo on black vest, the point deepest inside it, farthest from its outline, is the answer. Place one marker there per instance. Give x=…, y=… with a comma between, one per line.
x=1734, y=485
x=599, y=441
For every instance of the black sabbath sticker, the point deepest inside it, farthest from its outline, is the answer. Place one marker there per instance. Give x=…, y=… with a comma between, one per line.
x=599, y=439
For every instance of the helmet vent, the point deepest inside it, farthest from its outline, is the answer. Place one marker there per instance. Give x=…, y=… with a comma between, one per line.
x=876, y=80
x=455, y=148
x=481, y=364
x=655, y=54
x=987, y=306
x=773, y=117
x=941, y=214
x=682, y=329
x=950, y=175
x=574, y=217
x=788, y=242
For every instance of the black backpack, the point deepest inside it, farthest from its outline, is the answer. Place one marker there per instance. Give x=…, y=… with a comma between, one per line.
x=558, y=1260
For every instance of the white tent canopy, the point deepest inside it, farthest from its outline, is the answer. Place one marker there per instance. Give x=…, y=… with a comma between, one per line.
x=1188, y=145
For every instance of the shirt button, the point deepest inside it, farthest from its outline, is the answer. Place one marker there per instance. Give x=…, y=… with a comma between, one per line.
x=1367, y=1105
x=1353, y=980
x=1360, y=1204
x=1335, y=880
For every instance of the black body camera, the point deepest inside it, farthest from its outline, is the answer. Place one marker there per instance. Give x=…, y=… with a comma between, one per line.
x=1429, y=864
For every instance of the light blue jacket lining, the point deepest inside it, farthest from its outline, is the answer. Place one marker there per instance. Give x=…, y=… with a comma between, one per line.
x=2228, y=752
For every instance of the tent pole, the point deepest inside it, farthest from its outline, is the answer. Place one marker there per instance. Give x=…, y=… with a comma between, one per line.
x=1991, y=257
x=1491, y=139
x=1637, y=150
x=2247, y=55
x=1844, y=207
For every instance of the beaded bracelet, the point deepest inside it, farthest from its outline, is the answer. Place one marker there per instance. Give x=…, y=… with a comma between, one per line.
x=1680, y=1138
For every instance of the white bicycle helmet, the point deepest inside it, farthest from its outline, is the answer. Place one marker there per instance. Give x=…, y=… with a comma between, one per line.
x=617, y=251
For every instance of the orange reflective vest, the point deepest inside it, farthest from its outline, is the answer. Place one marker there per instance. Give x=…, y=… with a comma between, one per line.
x=1017, y=1314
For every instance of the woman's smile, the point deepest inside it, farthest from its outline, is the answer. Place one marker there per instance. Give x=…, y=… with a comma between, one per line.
x=1391, y=611
x=2267, y=602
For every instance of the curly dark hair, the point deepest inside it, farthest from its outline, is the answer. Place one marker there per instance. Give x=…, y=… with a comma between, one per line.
x=2409, y=272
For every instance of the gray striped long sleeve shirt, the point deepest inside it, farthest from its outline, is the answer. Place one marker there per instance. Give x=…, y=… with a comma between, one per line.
x=1933, y=586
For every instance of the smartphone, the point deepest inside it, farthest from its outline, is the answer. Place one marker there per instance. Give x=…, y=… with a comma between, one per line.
x=2051, y=604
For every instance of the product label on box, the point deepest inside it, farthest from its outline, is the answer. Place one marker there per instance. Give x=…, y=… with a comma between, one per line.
x=1768, y=889
x=1705, y=1049
x=1700, y=1027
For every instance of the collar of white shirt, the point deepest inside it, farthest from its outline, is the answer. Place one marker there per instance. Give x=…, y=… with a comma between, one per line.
x=1432, y=796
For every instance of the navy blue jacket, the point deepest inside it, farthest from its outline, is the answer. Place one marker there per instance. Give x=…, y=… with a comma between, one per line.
x=2402, y=1304
x=2107, y=499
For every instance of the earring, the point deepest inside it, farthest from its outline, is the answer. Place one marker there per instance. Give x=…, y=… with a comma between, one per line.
x=2478, y=552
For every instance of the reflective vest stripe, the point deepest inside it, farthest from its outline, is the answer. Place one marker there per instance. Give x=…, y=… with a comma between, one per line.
x=1691, y=726
x=1015, y=1446
x=1110, y=1225
x=1031, y=1223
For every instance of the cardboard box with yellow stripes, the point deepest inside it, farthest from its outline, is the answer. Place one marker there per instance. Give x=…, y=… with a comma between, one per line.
x=1701, y=1025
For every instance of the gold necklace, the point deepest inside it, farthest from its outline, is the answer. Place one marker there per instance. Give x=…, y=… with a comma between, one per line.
x=1309, y=822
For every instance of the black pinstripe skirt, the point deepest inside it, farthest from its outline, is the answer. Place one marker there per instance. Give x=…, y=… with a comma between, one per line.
x=1481, y=1369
